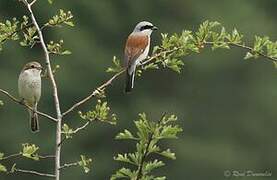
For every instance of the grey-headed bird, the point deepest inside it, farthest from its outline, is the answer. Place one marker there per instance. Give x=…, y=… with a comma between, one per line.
x=29, y=87
x=136, y=50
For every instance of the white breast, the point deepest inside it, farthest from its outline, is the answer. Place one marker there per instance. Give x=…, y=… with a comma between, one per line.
x=29, y=86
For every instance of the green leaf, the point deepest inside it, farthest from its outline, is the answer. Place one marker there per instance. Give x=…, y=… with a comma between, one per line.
x=125, y=158
x=170, y=132
x=1, y=155
x=150, y=66
x=66, y=52
x=30, y=151
x=116, y=66
x=249, y=55
x=125, y=135
x=85, y=163
x=160, y=178
x=69, y=23
x=168, y=154
x=260, y=43
x=3, y=168
x=67, y=131
x=50, y=1
x=149, y=166
x=149, y=133
x=57, y=48
x=175, y=65
x=123, y=173
x=272, y=49
x=235, y=37
x=100, y=113
x=61, y=18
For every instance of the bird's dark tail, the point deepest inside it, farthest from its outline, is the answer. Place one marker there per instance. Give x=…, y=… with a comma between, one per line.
x=129, y=82
x=34, y=124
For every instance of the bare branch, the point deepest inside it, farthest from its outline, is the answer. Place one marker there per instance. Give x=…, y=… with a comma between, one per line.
x=34, y=173
x=82, y=127
x=69, y=165
x=26, y=106
x=46, y=156
x=94, y=93
x=33, y=2
x=20, y=154
x=76, y=131
x=55, y=91
x=11, y=156
x=109, y=82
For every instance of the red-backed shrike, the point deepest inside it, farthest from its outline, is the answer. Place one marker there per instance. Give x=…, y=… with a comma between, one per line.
x=136, y=50
x=29, y=87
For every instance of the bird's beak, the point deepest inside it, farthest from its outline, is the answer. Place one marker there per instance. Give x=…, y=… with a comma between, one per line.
x=154, y=28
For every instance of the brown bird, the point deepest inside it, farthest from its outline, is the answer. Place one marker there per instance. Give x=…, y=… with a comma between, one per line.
x=136, y=50
x=29, y=88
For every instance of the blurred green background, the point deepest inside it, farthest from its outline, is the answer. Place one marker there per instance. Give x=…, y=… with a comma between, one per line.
x=226, y=105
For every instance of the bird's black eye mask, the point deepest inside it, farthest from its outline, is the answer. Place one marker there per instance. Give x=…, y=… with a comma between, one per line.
x=146, y=27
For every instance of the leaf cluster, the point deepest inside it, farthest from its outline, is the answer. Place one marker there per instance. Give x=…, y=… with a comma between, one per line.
x=101, y=112
x=85, y=163
x=24, y=31
x=29, y=151
x=175, y=47
x=147, y=138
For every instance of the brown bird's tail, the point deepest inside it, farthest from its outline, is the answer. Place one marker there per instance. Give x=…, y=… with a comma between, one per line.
x=34, y=124
x=129, y=82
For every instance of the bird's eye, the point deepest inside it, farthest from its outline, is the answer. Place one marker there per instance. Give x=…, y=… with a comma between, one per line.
x=32, y=66
x=146, y=27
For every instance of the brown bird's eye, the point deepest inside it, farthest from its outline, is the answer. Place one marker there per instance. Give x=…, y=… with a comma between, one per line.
x=146, y=27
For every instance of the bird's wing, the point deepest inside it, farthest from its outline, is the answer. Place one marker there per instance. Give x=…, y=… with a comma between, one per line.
x=135, y=46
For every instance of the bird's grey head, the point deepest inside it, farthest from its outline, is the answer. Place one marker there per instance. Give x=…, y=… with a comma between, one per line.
x=33, y=65
x=145, y=27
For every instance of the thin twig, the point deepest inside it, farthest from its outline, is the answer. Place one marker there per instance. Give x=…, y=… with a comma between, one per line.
x=82, y=127
x=46, y=156
x=26, y=106
x=20, y=155
x=11, y=156
x=69, y=165
x=109, y=81
x=55, y=90
x=250, y=49
x=76, y=131
x=34, y=173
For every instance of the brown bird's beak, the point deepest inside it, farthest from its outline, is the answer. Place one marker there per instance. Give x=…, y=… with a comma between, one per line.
x=154, y=28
